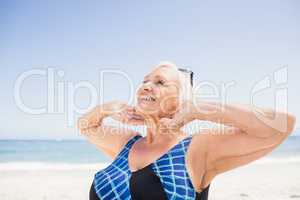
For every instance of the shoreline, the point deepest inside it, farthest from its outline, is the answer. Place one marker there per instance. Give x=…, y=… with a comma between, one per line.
x=265, y=181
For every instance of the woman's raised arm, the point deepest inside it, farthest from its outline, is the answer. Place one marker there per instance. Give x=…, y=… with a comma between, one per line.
x=248, y=136
x=108, y=139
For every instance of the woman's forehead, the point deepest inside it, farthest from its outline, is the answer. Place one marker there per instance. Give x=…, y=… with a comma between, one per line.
x=167, y=73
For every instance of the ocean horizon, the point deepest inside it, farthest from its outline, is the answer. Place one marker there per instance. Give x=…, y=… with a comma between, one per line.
x=37, y=154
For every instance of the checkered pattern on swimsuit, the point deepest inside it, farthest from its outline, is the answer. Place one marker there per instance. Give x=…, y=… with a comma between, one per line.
x=112, y=182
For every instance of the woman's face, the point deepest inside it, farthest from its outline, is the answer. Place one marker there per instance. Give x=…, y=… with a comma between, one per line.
x=159, y=92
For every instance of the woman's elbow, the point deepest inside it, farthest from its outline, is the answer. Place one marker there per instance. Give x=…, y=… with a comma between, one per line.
x=284, y=125
x=291, y=121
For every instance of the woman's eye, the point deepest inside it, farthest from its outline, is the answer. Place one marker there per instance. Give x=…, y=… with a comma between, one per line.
x=161, y=82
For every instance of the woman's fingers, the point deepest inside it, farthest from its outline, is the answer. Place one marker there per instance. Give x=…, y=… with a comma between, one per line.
x=118, y=116
x=137, y=120
x=129, y=116
x=137, y=117
x=135, y=114
x=168, y=125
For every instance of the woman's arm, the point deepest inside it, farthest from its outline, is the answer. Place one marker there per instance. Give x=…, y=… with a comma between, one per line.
x=108, y=139
x=259, y=122
x=245, y=137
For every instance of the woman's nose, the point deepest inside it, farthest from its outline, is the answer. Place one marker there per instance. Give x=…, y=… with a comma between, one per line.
x=147, y=87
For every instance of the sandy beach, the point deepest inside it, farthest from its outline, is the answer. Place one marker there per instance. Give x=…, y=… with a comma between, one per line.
x=256, y=181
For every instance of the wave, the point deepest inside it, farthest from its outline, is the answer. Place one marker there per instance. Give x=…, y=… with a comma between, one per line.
x=33, y=165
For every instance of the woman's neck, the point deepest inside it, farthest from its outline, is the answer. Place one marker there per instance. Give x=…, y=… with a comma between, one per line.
x=155, y=134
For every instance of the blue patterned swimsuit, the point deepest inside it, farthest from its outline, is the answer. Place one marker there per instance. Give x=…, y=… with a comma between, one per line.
x=165, y=179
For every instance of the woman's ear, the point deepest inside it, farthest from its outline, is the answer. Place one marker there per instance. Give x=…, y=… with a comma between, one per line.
x=176, y=110
x=169, y=105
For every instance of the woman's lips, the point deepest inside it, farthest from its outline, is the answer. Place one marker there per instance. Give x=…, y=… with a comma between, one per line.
x=137, y=117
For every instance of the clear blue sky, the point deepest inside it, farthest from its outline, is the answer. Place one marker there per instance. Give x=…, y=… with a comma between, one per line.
x=219, y=40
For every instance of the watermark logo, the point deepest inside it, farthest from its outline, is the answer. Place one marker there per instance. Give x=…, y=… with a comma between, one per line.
x=65, y=100
x=277, y=83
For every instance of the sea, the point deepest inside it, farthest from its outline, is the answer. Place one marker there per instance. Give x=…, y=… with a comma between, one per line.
x=79, y=154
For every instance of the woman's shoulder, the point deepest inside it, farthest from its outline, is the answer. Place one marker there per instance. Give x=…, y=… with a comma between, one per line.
x=132, y=137
x=198, y=143
x=126, y=140
x=196, y=160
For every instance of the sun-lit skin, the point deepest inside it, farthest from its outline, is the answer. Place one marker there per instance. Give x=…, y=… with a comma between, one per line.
x=158, y=97
x=162, y=91
x=160, y=107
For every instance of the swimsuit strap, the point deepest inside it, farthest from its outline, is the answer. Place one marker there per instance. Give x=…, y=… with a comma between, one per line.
x=122, y=158
x=112, y=182
x=128, y=145
x=132, y=140
x=171, y=168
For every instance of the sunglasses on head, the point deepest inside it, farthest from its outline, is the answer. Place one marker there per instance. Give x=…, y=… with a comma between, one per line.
x=188, y=72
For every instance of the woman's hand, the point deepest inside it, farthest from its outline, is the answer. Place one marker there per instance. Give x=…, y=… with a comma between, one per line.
x=107, y=138
x=186, y=113
x=129, y=115
x=94, y=117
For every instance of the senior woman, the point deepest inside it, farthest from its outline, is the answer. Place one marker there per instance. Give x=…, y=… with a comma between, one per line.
x=169, y=163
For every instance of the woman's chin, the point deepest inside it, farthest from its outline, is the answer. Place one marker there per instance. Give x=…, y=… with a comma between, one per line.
x=146, y=107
